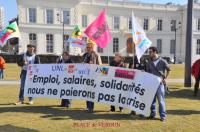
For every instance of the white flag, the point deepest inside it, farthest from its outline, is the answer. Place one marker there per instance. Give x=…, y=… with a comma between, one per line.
x=142, y=43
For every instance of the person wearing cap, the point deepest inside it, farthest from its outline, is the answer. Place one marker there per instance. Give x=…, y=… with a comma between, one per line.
x=117, y=62
x=91, y=57
x=24, y=60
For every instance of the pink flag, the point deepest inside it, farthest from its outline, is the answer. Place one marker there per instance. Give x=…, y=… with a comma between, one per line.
x=98, y=31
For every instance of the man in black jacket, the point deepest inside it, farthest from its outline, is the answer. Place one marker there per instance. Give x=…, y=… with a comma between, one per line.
x=139, y=66
x=25, y=59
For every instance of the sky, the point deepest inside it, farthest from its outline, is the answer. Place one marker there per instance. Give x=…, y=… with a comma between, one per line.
x=10, y=6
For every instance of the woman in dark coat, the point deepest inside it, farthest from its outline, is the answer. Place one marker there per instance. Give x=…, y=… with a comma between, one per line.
x=65, y=58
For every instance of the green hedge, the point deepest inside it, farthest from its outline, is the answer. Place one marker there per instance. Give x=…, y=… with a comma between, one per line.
x=52, y=58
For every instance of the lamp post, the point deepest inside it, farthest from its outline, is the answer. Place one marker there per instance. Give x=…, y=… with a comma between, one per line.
x=188, y=51
x=176, y=28
x=63, y=29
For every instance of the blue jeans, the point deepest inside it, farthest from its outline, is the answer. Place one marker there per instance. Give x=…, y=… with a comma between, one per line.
x=90, y=105
x=21, y=92
x=1, y=73
x=161, y=100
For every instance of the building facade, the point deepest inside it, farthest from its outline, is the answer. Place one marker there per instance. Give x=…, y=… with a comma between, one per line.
x=42, y=24
x=2, y=19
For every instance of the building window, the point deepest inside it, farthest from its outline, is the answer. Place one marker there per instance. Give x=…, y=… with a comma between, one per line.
x=33, y=39
x=173, y=25
x=146, y=24
x=49, y=16
x=66, y=46
x=49, y=43
x=159, y=25
x=116, y=22
x=115, y=45
x=198, y=46
x=32, y=15
x=172, y=46
x=130, y=23
x=84, y=20
x=198, y=24
x=66, y=17
x=130, y=45
x=159, y=45
x=99, y=50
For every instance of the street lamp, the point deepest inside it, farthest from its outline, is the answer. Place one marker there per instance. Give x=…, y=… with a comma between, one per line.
x=63, y=27
x=175, y=29
x=189, y=37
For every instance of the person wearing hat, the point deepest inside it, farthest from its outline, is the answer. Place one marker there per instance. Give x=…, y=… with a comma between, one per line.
x=24, y=60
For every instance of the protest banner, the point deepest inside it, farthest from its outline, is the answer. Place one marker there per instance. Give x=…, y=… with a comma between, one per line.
x=128, y=88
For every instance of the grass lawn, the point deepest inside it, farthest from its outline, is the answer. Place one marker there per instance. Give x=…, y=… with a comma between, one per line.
x=177, y=71
x=12, y=72
x=183, y=114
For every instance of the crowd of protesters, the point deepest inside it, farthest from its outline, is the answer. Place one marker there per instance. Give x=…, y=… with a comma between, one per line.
x=154, y=64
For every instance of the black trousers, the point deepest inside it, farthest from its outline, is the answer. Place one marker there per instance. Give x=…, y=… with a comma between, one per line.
x=65, y=103
x=112, y=108
x=196, y=85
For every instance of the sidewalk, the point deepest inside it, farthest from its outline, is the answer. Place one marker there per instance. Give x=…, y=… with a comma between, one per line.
x=9, y=82
x=175, y=80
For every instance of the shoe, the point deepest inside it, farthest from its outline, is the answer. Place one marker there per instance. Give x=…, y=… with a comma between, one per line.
x=112, y=110
x=163, y=119
x=141, y=116
x=152, y=117
x=89, y=110
x=68, y=106
x=167, y=90
x=19, y=103
x=121, y=109
x=30, y=102
x=133, y=113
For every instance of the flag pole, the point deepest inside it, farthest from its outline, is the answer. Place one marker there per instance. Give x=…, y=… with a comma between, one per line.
x=133, y=42
x=108, y=45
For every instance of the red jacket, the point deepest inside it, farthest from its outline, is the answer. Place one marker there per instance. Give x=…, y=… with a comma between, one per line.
x=196, y=68
x=2, y=63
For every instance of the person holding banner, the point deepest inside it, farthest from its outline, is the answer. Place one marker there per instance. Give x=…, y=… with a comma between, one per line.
x=25, y=59
x=117, y=62
x=135, y=64
x=91, y=57
x=158, y=67
x=138, y=65
x=65, y=58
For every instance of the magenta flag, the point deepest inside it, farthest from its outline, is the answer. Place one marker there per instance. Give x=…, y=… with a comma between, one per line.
x=98, y=31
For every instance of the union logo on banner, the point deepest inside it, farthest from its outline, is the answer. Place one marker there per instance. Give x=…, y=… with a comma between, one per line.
x=124, y=74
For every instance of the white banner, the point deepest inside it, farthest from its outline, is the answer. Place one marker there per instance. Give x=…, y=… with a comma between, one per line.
x=127, y=88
